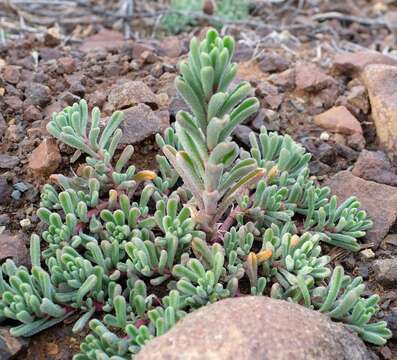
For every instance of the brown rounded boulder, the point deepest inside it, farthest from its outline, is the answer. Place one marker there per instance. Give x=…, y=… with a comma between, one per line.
x=256, y=328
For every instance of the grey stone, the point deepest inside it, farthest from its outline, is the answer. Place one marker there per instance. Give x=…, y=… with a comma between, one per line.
x=385, y=271
x=8, y=161
x=241, y=133
x=140, y=122
x=256, y=328
x=38, y=94
x=375, y=166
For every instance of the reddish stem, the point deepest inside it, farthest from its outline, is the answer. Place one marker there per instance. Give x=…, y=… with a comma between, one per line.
x=140, y=323
x=226, y=225
x=90, y=213
x=98, y=306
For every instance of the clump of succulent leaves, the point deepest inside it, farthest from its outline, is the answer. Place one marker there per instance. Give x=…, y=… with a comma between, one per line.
x=216, y=221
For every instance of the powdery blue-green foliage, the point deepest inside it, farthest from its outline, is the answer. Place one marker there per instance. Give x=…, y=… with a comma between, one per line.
x=215, y=221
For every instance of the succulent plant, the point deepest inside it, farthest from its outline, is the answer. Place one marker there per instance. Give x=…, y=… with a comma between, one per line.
x=207, y=159
x=216, y=221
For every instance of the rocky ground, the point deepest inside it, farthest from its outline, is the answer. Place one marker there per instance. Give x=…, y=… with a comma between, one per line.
x=330, y=83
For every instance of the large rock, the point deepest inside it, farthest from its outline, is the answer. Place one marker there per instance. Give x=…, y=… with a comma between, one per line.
x=381, y=83
x=46, y=158
x=385, y=272
x=10, y=346
x=8, y=161
x=13, y=247
x=140, y=122
x=309, y=77
x=271, y=62
x=371, y=195
x=354, y=63
x=11, y=74
x=375, y=166
x=131, y=93
x=103, y=41
x=358, y=98
x=255, y=328
x=339, y=120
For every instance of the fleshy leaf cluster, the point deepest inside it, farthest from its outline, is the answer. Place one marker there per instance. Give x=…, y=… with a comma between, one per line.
x=133, y=252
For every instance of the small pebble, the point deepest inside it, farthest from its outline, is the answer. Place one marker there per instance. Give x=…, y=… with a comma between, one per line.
x=4, y=219
x=363, y=271
x=16, y=194
x=367, y=254
x=25, y=223
x=391, y=239
x=22, y=186
x=324, y=136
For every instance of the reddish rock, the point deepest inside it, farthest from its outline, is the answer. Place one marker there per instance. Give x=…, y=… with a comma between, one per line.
x=46, y=158
x=5, y=190
x=131, y=93
x=47, y=54
x=77, y=88
x=339, y=120
x=327, y=97
x=354, y=63
x=8, y=161
x=255, y=328
x=11, y=74
x=140, y=122
x=285, y=79
x=13, y=102
x=139, y=48
x=164, y=119
x=371, y=195
x=269, y=93
x=38, y=94
x=103, y=41
x=356, y=141
x=3, y=125
x=32, y=113
x=358, y=98
x=309, y=77
x=13, y=247
x=171, y=47
x=11, y=346
x=385, y=272
x=111, y=69
x=375, y=166
x=66, y=65
x=271, y=63
x=148, y=57
x=97, y=98
x=381, y=83
x=56, y=106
